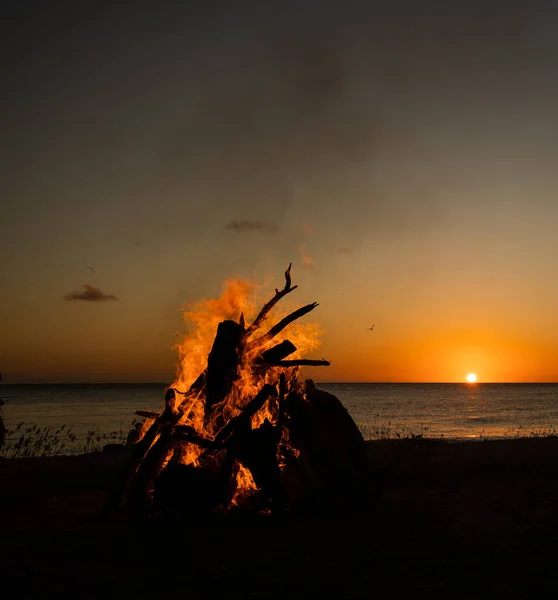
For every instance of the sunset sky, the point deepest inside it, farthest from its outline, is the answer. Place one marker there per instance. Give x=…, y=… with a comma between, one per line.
x=401, y=154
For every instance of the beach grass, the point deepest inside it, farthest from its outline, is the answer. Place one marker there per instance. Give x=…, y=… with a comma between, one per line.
x=378, y=429
x=27, y=440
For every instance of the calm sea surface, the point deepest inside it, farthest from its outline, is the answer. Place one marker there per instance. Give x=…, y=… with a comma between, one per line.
x=454, y=411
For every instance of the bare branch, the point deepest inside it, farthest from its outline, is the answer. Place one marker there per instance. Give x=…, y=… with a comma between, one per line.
x=267, y=307
x=281, y=325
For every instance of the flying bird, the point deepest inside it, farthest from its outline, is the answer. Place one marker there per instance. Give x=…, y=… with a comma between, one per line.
x=92, y=271
x=371, y=328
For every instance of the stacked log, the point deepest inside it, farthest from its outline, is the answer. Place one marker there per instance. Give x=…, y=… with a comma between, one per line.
x=307, y=458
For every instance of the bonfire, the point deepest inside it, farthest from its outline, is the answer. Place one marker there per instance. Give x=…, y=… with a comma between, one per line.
x=244, y=434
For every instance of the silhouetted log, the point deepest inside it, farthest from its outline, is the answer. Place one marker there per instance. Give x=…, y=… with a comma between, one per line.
x=303, y=362
x=276, y=329
x=147, y=414
x=163, y=419
x=276, y=353
x=222, y=363
x=281, y=400
x=185, y=433
x=269, y=305
x=189, y=396
x=198, y=385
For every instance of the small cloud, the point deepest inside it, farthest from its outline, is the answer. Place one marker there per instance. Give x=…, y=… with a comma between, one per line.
x=89, y=293
x=246, y=225
x=308, y=228
x=344, y=250
x=307, y=261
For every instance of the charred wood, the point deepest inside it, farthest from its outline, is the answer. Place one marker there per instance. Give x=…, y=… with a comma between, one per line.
x=222, y=363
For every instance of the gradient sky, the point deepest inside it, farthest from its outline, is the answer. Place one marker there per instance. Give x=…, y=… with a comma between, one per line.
x=401, y=154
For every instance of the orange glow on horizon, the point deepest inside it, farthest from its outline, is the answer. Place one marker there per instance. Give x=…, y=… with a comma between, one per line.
x=411, y=342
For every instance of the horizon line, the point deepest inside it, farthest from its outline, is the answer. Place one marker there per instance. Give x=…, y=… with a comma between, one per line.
x=3, y=383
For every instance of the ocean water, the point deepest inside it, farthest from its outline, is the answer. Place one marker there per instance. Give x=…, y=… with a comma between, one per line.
x=451, y=411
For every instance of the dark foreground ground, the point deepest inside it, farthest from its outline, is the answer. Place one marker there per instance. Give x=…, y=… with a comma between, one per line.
x=467, y=520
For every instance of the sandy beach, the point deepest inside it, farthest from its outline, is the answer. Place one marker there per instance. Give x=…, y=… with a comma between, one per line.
x=454, y=520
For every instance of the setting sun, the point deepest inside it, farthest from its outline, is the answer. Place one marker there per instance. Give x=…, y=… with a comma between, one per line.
x=471, y=378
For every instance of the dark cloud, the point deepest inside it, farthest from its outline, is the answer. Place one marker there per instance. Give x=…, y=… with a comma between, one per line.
x=89, y=294
x=247, y=225
x=344, y=250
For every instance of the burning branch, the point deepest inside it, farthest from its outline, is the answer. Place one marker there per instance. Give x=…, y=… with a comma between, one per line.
x=276, y=353
x=276, y=329
x=267, y=307
x=243, y=419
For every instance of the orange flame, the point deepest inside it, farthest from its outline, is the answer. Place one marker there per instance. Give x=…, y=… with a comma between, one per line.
x=239, y=297
x=189, y=454
x=244, y=484
x=202, y=318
